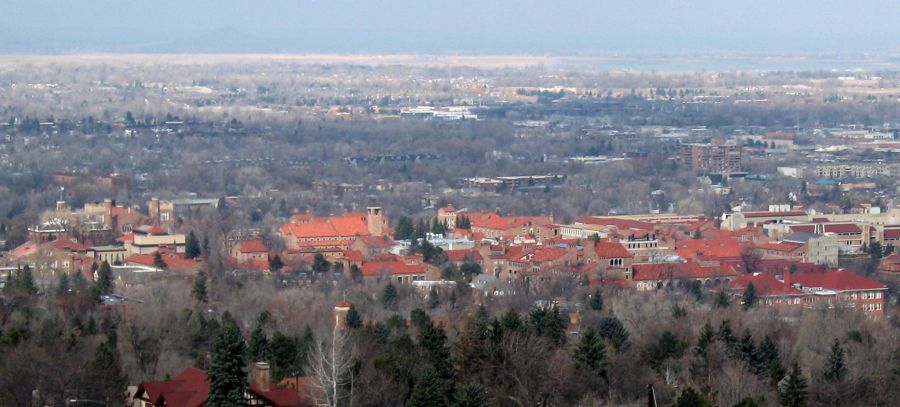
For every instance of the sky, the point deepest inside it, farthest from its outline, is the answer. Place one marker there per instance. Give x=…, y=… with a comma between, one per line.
x=460, y=26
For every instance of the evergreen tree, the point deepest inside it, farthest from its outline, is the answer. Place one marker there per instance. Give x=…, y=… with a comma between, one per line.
x=356, y=273
x=700, y=365
x=320, y=265
x=749, y=298
x=747, y=402
x=199, y=290
x=590, y=354
x=471, y=395
x=612, y=330
x=191, y=246
x=596, y=301
x=549, y=323
x=259, y=349
x=64, y=285
x=793, y=389
x=389, y=296
x=428, y=392
x=104, y=283
x=353, y=320
x=405, y=229
x=835, y=366
x=226, y=375
x=275, y=264
x=471, y=348
x=721, y=300
x=511, y=321
x=158, y=261
x=105, y=373
x=770, y=360
x=691, y=398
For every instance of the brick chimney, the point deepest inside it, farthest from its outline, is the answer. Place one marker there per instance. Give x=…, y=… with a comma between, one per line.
x=154, y=210
x=262, y=376
x=107, y=212
x=787, y=276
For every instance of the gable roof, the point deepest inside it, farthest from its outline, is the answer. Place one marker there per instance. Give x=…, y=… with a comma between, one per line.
x=306, y=226
x=605, y=249
x=840, y=280
x=252, y=246
x=765, y=285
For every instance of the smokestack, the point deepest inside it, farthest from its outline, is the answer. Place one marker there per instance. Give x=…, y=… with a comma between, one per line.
x=787, y=276
x=262, y=376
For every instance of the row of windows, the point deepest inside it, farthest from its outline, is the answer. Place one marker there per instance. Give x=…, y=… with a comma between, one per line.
x=871, y=307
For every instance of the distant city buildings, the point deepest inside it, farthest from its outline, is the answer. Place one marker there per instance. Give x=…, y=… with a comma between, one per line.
x=718, y=157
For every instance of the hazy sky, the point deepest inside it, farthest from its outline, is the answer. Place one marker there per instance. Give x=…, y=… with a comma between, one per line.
x=506, y=26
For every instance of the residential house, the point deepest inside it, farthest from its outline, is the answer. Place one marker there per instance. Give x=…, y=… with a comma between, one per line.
x=190, y=388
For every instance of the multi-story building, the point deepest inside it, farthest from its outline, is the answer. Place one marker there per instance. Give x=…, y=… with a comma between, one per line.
x=712, y=158
x=856, y=170
x=333, y=232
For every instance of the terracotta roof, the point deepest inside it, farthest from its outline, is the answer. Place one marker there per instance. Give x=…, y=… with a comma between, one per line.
x=395, y=267
x=606, y=249
x=838, y=280
x=842, y=228
x=349, y=225
x=252, y=246
x=718, y=248
x=126, y=238
x=892, y=233
x=191, y=389
x=491, y=220
x=25, y=249
x=353, y=255
x=804, y=228
x=780, y=247
x=767, y=214
x=765, y=285
x=688, y=270
x=66, y=244
x=547, y=254
x=462, y=255
x=376, y=242
x=173, y=262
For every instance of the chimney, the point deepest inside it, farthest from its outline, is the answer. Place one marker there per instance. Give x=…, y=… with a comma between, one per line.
x=787, y=276
x=154, y=210
x=262, y=376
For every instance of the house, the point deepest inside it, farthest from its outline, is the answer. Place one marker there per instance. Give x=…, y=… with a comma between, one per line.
x=333, y=232
x=190, y=388
x=60, y=254
x=248, y=250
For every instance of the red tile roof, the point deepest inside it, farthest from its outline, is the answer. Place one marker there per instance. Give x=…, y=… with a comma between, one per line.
x=607, y=250
x=618, y=223
x=173, y=262
x=718, y=248
x=25, y=249
x=374, y=268
x=191, y=389
x=780, y=247
x=765, y=285
x=66, y=244
x=892, y=233
x=767, y=214
x=348, y=225
x=804, y=228
x=252, y=246
x=842, y=228
x=679, y=271
x=838, y=280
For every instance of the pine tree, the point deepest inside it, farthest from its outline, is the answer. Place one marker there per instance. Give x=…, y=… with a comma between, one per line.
x=64, y=285
x=590, y=354
x=700, y=365
x=275, y=264
x=320, y=265
x=793, y=389
x=612, y=330
x=227, y=378
x=428, y=392
x=158, y=261
x=259, y=349
x=199, y=290
x=191, y=246
x=769, y=359
x=721, y=300
x=353, y=320
x=471, y=348
x=549, y=323
x=835, y=366
x=105, y=373
x=104, y=283
x=433, y=341
x=691, y=398
x=749, y=298
x=471, y=395
x=389, y=296
x=596, y=301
